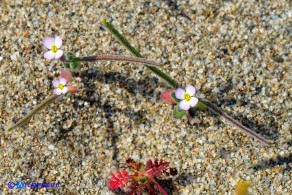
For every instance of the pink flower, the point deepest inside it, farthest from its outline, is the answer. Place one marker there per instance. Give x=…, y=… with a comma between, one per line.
x=60, y=83
x=187, y=97
x=53, y=44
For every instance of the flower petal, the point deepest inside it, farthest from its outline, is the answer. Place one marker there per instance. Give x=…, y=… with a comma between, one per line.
x=58, y=54
x=184, y=105
x=58, y=41
x=72, y=90
x=191, y=90
x=65, y=90
x=49, y=42
x=193, y=101
x=57, y=91
x=179, y=93
x=56, y=83
x=62, y=80
x=66, y=74
x=49, y=55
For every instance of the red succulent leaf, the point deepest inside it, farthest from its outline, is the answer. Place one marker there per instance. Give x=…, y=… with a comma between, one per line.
x=156, y=168
x=119, y=180
x=134, y=166
x=166, y=96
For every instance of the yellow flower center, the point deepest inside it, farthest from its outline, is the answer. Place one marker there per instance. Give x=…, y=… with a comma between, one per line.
x=54, y=49
x=61, y=86
x=187, y=97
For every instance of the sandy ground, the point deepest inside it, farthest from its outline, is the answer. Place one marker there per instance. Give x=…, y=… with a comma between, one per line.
x=238, y=55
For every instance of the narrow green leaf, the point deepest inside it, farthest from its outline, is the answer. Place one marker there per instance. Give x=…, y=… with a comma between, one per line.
x=126, y=43
x=234, y=122
x=26, y=119
x=178, y=113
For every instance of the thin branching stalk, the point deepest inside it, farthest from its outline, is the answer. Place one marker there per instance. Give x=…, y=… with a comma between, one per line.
x=26, y=119
x=118, y=58
x=234, y=122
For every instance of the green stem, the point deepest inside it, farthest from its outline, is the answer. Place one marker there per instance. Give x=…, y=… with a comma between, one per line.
x=126, y=43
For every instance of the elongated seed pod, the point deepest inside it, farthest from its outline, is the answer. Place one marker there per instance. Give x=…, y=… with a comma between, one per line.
x=118, y=58
x=234, y=122
x=39, y=107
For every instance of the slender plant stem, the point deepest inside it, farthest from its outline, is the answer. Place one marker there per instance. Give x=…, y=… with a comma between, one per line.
x=174, y=84
x=118, y=58
x=234, y=122
x=126, y=43
x=39, y=107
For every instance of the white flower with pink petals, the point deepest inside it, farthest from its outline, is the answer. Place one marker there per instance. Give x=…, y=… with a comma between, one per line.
x=60, y=85
x=187, y=97
x=53, y=44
